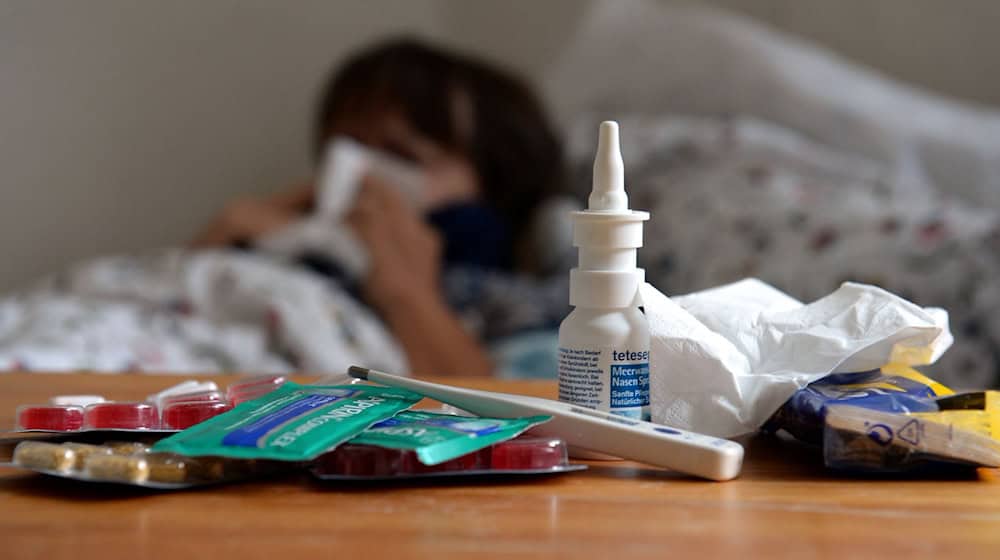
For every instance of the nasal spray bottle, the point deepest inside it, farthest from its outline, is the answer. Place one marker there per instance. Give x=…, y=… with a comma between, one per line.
x=604, y=341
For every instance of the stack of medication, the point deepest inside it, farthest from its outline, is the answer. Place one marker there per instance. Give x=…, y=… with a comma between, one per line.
x=343, y=432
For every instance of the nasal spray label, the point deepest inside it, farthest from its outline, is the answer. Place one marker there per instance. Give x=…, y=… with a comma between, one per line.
x=608, y=379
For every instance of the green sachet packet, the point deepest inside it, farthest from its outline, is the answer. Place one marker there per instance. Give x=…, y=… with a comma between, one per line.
x=292, y=423
x=437, y=438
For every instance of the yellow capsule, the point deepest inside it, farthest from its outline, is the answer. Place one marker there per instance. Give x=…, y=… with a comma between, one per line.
x=117, y=468
x=169, y=468
x=127, y=447
x=81, y=451
x=44, y=456
x=211, y=469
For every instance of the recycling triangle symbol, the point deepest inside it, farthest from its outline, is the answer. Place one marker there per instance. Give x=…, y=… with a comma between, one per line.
x=910, y=432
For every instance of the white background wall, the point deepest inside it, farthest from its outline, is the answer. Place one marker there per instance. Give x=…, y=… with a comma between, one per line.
x=125, y=124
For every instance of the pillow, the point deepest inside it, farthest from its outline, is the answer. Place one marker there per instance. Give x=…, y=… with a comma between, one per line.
x=653, y=57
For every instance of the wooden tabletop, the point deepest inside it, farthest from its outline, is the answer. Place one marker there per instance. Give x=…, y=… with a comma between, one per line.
x=784, y=505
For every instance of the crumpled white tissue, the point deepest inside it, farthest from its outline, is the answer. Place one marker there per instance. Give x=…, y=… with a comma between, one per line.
x=345, y=164
x=723, y=360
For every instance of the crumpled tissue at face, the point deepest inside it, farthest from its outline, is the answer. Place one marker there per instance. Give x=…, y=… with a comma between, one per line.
x=723, y=360
x=345, y=165
x=347, y=162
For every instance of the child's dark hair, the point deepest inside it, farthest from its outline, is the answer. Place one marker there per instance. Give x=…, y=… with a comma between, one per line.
x=463, y=104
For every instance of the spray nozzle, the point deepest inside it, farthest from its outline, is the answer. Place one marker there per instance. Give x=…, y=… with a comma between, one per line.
x=607, y=234
x=608, y=193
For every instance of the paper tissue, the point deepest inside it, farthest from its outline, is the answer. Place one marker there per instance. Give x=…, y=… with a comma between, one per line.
x=345, y=165
x=723, y=360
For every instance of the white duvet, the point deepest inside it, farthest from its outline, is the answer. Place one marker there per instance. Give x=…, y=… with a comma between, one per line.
x=181, y=312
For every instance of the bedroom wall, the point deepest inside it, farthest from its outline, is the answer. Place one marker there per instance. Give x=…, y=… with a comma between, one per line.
x=124, y=125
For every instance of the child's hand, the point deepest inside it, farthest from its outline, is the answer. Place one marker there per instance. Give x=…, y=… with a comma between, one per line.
x=404, y=285
x=405, y=252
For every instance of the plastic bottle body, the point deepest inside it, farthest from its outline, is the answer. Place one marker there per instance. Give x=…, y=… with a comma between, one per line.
x=604, y=360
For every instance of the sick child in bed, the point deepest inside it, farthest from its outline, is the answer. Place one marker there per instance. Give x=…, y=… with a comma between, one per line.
x=490, y=159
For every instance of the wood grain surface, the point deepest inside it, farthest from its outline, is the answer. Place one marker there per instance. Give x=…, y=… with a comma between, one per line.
x=783, y=506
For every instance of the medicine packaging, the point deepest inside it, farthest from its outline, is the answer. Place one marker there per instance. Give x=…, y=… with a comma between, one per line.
x=175, y=408
x=133, y=464
x=436, y=438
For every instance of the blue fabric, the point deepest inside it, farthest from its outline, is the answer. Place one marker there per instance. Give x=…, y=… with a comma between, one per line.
x=474, y=235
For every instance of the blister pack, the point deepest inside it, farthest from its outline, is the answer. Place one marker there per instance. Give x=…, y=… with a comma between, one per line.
x=173, y=409
x=133, y=464
x=436, y=438
x=525, y=455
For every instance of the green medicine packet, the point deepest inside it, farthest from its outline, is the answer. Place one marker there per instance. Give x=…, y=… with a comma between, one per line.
x=437, y=438
x=293, y=423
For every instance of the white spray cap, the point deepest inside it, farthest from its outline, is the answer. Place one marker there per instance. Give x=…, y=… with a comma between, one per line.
x=608, y=191
x=607, y=234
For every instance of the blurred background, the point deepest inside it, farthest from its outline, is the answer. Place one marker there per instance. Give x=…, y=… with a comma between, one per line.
x=804, y=142
x=127, y=124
